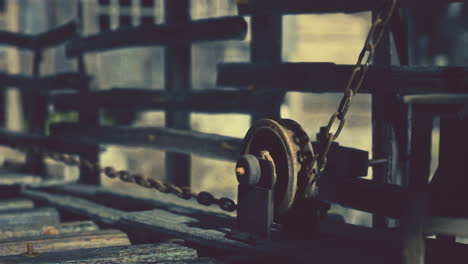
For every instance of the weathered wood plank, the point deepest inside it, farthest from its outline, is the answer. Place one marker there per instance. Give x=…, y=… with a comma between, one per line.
x=26, y=140
x=227, y=101
x=187, y=142
x=15, y=179
x=136, y=254
x=75, y=205
x=127, y=201
x=40, y=41
x=37, y=230
x=15, y=204
x=66, y=80
x=145, y=35
x=29, y=217
x=210, y=232
x=96, y=239
x=329, y=77
x=333, y=6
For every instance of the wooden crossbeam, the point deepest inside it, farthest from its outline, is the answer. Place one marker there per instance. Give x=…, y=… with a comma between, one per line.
x=135, y=254
x=180, y=141
x=63, y=242
x=146, y=35
x=227, y=101
x=29, y=216
x=41, y=41
x=38, y=229
x=329, y=77
x=67, y=80
x=251, y=7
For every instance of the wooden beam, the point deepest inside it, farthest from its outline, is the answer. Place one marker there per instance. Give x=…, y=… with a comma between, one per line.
x=182, y=31
x=15, y=204
x=95, y=239
x=38, y=230
x=227, y=101
x=41, y=41
x=26, y=140
x=180, y=141
x=66, y=80
x=281, y=7
x=329, y=77
x=135, y=254
x=29, y=217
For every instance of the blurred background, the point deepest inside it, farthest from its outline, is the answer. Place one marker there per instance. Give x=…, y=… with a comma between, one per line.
x=438, y=37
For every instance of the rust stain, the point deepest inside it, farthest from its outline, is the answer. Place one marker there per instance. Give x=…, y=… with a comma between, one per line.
x=50, y=230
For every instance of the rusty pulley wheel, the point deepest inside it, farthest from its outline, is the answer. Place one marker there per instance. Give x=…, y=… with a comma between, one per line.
x=286, y=142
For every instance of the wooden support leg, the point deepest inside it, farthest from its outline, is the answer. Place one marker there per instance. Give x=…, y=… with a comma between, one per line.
x=266, y=48
x=416, y=173
x=178, y=80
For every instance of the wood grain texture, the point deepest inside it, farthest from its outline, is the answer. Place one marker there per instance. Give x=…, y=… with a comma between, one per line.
x=72, y=204
x=174, y=140
x=16, y=203
x=330, y=77
x=332, y=6
x=96, y=239
x=227, y=101
x=148, y=253
x=29, y=217
x=224, y=28
x=46, y=230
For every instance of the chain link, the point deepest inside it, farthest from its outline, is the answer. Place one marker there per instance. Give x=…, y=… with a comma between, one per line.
x=374, y=37
x=204, y=198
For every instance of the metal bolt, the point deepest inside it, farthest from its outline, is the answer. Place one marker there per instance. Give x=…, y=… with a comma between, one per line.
x=240, y=171
x=30, y=251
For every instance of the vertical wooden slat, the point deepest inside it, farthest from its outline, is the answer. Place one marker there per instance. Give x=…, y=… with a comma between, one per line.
x=178, y=80
x=417, y=174
x=88, y=117
x=35, y=107
x=382, y=136
x=266, y=48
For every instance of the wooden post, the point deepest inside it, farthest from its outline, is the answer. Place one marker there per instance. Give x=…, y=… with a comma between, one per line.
x=178, y=80
x=416, y=174
x=35, y=107
x=382, y=128
x=266, y=48
x=88, y=118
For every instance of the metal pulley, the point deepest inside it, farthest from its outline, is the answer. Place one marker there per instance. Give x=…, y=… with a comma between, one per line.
x=291, y=153
x=275, y=168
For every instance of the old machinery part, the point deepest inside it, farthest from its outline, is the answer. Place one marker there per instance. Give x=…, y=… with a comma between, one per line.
x=292, y=155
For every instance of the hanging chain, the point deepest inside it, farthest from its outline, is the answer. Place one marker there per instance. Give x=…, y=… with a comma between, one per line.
x=374, y=37
x=204, y=198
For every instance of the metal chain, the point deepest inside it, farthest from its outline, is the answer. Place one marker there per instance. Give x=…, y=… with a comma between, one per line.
x=204, y=198
x=374, y=37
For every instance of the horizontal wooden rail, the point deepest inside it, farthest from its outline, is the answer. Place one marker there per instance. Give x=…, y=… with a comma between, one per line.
x=384, y=199
x=67, y=80
x=146, y=35
x=329, y=77
x=29, y=140
x=204, y=101
x=332, y=6
x=41, y=41
x=181, y=141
